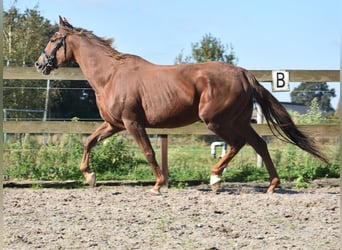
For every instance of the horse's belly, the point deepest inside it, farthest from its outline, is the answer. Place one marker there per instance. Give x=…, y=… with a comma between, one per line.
x=172, y=119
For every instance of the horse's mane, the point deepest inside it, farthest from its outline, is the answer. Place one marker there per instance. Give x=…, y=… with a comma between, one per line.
x=105, y=44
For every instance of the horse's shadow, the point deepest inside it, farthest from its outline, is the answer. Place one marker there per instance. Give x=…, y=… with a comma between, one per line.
x=244, y=190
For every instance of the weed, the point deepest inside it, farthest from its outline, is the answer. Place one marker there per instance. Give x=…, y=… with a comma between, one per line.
x=36, y=186
x=119, y=158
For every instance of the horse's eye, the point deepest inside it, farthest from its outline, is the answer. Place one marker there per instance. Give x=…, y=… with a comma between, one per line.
x=52, y=40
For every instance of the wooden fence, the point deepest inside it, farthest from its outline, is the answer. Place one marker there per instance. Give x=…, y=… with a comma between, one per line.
x=58, y=127
x=197, y=128
x=26, y=73
x=82, y=127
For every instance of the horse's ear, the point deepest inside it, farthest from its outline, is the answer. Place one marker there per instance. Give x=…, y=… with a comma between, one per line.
x=61, y=22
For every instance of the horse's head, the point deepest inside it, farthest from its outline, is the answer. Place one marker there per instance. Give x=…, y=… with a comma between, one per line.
x=56, y=52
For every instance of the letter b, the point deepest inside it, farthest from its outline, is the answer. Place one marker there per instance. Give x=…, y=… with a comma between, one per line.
x=280, y=81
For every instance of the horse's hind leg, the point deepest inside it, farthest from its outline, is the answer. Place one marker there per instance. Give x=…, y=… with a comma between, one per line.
x=260, y=146
x=235, y=142
x=102, y=132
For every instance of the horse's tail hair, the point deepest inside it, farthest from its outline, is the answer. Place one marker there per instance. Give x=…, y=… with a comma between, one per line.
x=280, y=121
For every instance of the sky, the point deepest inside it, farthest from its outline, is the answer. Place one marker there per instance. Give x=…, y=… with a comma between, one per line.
x=265, y=34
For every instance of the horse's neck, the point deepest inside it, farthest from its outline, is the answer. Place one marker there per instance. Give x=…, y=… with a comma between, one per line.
x=95, y=65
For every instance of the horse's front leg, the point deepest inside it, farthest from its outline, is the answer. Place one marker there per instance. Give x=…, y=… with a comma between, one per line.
x=138, y=132
x=102, y=132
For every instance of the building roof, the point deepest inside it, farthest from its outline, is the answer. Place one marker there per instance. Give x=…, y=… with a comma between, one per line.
x=300, y=108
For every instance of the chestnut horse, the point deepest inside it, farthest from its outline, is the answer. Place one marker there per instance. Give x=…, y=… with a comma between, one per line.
x=133, y=94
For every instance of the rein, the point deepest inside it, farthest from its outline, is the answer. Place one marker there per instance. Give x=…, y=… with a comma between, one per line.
x=51, y=58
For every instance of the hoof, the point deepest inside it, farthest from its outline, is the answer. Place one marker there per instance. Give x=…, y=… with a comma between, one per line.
x=215, y=182
x=215, y=187
x=270, y=190
x=273, y=185
x=91, y=179
x=154, y=192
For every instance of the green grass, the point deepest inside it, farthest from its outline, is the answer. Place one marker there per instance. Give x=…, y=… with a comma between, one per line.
x=188, y=159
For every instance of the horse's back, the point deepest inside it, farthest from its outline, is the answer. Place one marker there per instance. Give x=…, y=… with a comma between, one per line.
x=177, y=95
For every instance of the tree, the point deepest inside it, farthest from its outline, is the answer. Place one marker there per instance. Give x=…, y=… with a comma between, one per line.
x=306, y=92
x=208, y=49
x=25, y=35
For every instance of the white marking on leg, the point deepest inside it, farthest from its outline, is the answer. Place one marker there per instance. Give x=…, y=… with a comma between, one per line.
x=214, y=179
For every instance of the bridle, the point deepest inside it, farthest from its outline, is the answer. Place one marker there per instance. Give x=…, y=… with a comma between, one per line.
x=51, y=58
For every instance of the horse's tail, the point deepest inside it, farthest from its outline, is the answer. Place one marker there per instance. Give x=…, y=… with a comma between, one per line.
x=280, y=122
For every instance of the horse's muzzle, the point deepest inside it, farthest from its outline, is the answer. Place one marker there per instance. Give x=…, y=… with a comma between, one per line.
x=43, y=67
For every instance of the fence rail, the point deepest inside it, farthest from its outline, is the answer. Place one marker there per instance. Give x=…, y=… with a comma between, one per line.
x=81, y=127
x=30, y=73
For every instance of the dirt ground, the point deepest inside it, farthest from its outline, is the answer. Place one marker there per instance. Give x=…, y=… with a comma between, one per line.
x=126, y=217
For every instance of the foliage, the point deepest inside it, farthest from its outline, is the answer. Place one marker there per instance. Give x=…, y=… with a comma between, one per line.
x=313, y=116
x=302, y=168
x=189, y=159
x=25, y=35
x=26, y=158
x=245, y=173
x=119, y=158
x=305, y=93
x=296, y=166
x=113, y=159
x=208, y=49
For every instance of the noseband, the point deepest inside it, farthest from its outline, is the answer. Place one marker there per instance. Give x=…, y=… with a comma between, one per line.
x=51, y=58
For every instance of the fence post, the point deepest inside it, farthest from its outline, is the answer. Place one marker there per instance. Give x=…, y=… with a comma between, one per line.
x=260, y=119
x=46, y=107
x=163, y=158
x=5, y=119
